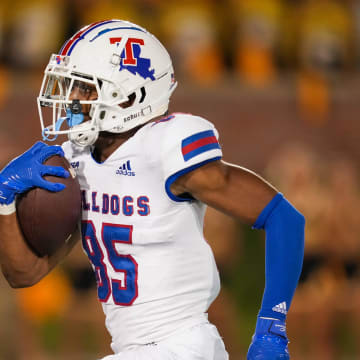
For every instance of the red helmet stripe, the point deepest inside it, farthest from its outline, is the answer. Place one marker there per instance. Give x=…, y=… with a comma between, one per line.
x=67, y=45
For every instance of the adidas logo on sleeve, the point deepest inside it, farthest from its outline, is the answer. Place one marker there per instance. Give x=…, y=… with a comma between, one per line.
x=281, y=308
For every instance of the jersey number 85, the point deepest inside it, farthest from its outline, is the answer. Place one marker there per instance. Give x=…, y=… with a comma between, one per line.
x=123, y=292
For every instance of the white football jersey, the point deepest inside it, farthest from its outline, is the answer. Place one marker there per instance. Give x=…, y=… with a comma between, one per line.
x=155, y=272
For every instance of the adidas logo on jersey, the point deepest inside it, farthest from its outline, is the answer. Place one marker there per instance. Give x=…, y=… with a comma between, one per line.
x=281, y=308
x=125, y=169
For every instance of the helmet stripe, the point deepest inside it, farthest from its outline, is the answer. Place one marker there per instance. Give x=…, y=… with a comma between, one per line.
x=70, y=44
x=66, y=46
x=102, y=32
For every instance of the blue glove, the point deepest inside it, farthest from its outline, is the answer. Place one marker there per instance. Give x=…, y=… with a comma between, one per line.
x=27, y=171
x=269, y=341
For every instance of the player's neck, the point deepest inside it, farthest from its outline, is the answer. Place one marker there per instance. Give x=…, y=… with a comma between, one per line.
x=107, y=143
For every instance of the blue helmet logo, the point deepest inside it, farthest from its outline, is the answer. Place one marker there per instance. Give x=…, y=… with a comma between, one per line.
x=142, y=65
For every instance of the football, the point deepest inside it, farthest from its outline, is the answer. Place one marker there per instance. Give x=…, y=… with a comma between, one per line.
x=48, y=219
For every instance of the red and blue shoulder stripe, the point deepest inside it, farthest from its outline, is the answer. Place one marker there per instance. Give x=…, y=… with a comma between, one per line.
x=199, y=143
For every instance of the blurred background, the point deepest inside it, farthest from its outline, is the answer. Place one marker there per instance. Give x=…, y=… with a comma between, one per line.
x=280, y=80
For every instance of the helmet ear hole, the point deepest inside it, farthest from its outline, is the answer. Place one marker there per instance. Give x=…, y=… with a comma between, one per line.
x=131, y=100
x=143, y=94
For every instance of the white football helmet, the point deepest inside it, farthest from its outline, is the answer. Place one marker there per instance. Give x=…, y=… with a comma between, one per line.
x=127, y=66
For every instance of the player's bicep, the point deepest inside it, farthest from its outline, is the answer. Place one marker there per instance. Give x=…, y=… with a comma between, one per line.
x=229, y=188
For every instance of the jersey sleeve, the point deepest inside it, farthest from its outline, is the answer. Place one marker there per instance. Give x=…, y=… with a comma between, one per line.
x=188, y=143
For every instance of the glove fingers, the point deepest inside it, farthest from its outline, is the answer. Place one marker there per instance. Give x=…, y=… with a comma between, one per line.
x=47, y=185
x=37, y=147
x=54, y=171
x=50, y=151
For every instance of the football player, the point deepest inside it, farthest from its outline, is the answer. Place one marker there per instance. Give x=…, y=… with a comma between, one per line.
x=146, y=177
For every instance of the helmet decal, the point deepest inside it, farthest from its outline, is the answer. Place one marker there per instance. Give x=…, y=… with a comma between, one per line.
x=131, y=60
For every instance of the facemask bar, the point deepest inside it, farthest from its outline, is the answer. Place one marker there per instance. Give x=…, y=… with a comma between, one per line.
x=55, y=93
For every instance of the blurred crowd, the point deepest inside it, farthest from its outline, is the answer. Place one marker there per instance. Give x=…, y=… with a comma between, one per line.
x=231, y=51
x=210, y=41
x=206, y=38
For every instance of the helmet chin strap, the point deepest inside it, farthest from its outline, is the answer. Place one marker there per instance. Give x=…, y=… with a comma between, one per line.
x=83, y=138
x=72, y=119
x=76, y=122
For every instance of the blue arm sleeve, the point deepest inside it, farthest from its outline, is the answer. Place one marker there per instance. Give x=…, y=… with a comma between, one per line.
x=284, y=252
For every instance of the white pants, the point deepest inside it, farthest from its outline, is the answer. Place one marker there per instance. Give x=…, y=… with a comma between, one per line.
x=201, y=342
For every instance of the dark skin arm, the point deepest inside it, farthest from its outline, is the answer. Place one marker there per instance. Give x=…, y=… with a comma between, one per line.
x=20, y=266
x=231, y=189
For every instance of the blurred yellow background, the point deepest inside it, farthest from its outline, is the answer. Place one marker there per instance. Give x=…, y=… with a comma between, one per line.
x=280, y=80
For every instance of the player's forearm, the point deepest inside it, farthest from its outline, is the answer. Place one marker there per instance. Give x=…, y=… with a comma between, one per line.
x=20, y=266
x=284, y=227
